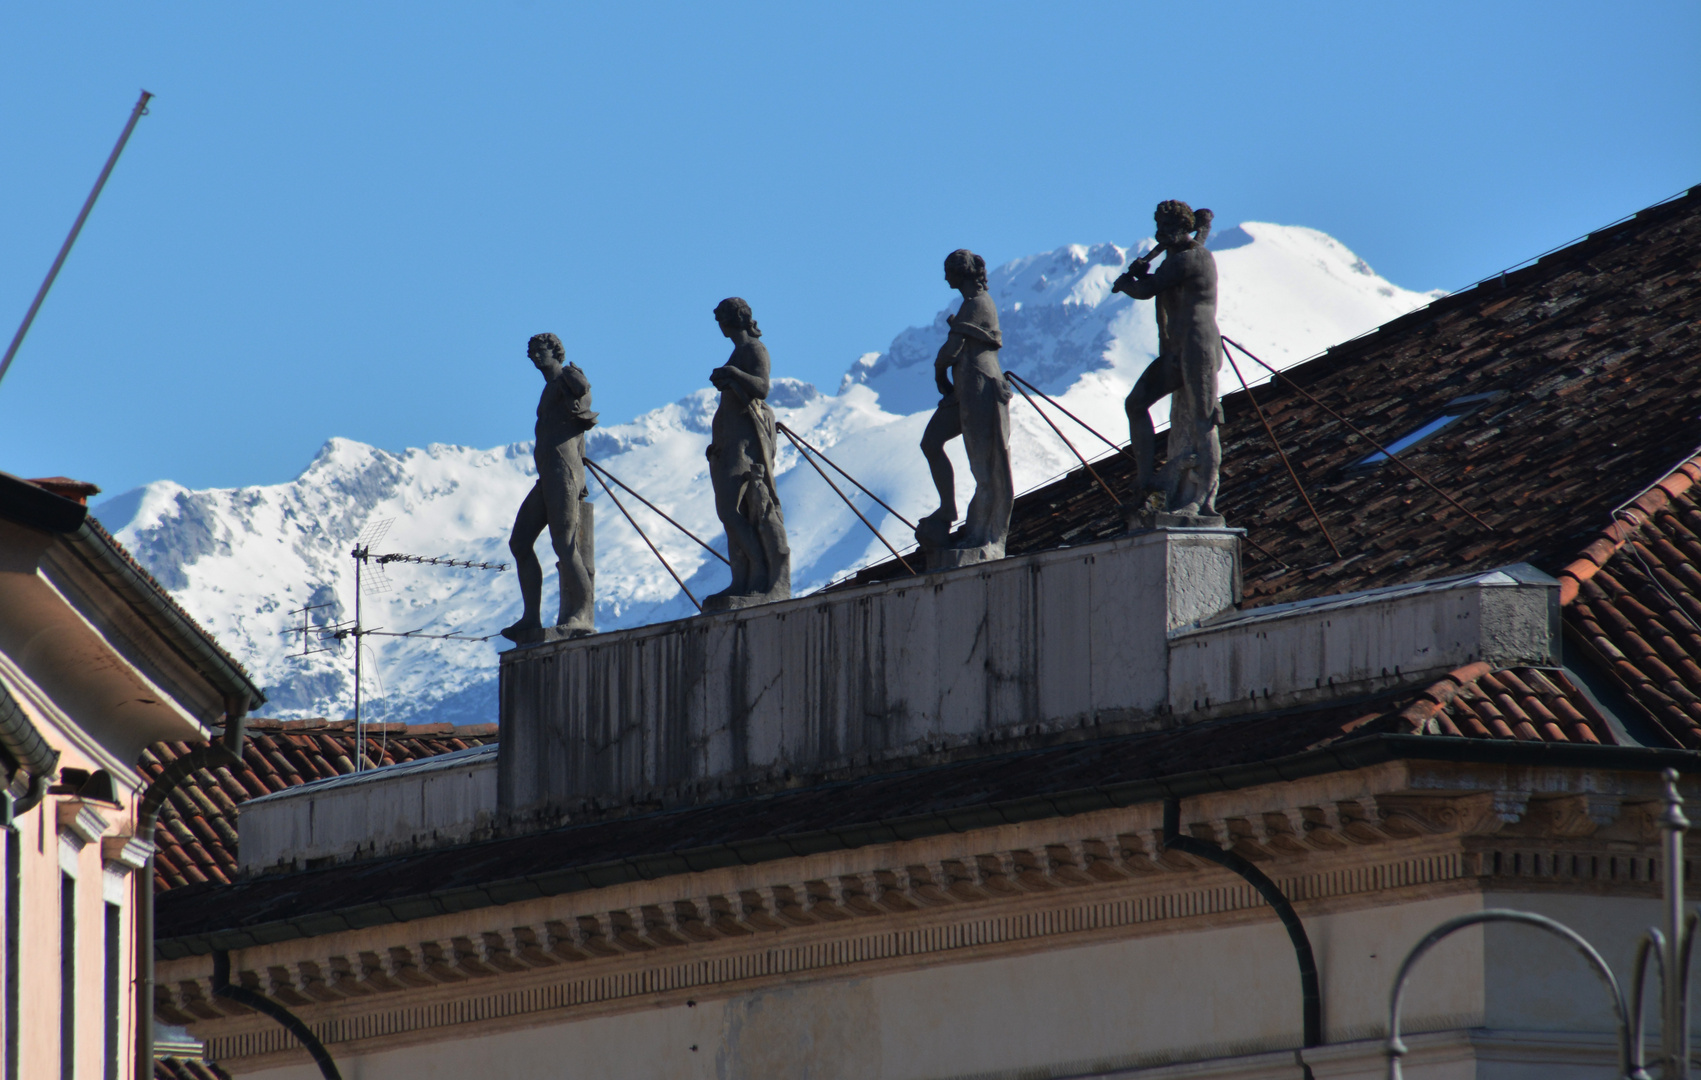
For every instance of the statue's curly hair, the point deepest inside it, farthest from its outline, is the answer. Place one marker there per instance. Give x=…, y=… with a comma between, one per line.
x=966, y=264
x=1173, y=215
x=550, y=342
x=740, y=312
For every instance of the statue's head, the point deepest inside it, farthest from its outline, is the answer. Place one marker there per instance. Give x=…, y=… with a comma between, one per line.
x=545, y=346
x=734, y=314
x=1174, y=218
x=963, y=266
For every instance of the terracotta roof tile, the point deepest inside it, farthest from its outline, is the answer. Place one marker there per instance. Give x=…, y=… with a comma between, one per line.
x=197, y=825
x=172, y=1068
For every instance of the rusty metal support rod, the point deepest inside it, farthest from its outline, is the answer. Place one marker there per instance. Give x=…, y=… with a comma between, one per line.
x=1268, y=430
x=653, y=550
x=660, y=513
x=1118, y=447
x=136, y=113
x=794, y=440
x=1426, y=481
x=1070, y=445
x=790, y=434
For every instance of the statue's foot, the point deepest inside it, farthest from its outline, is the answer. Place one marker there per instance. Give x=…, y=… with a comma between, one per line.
x=934, y=530
x=528, y=629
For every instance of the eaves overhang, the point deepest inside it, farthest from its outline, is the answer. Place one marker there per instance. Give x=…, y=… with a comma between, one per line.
x=1351, y=755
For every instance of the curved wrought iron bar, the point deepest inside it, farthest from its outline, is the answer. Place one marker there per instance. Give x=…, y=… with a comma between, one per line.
x=260, y=1003
x=1397, y=1048
x=1652, y=943
x=1310, y=989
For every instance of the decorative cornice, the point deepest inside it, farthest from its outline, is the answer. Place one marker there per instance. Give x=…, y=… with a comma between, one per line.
x=79, y=822
x=1076, y=880
x=125, y=853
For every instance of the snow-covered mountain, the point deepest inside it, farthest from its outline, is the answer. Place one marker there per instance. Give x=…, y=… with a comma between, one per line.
x=240, y=560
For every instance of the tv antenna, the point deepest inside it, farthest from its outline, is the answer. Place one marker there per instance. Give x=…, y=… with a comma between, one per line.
x=369, y=574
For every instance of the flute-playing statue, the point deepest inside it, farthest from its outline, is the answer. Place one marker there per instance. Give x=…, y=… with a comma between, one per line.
x=1190, y=350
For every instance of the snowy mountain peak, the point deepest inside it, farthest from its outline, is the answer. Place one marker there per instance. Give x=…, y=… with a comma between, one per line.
x=242, y=560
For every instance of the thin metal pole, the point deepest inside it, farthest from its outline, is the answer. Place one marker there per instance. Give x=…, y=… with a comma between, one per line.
x=1070, y=445
x=1674, y=1030
x=604, y=472
x=1268, y=430
x=787, y=433
x=140, y=110
x=1427, y=482
x=799, y=438
x=359, y=743
x=1118, y=447
x=653, y=550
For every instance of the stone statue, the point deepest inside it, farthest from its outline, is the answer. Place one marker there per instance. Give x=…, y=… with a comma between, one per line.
x=741, y=467
x=558, y=501
x=1190, y=351
x=974, y=403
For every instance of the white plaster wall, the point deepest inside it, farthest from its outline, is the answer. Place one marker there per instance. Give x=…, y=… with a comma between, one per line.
x=377, y=816
x=1099, y=1009
x=1284, y=657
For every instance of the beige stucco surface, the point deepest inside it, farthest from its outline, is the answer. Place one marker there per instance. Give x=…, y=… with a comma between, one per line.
x=1109, y=1007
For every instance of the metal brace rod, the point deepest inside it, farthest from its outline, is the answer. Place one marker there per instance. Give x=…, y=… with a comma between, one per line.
x=1070, y=445
x=602, y=472
x=794, y=440
x=653, y=549
x=1268, y=430
x=811, y=447
x=1427, y=482
x=1118, y=447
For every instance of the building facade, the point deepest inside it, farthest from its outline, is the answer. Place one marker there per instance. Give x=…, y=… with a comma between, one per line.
x=96, y=663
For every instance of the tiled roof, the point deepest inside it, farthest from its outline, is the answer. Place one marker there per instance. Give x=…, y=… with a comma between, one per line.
x=173, y=1068
x=1594, y=351
x=196, y=833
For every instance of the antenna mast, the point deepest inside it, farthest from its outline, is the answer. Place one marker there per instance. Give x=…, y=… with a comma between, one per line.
x=140, y=110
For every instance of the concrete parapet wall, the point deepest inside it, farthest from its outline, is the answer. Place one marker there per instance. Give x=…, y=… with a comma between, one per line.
x=1026, y=647
x=1294, y=654
x=389, y=811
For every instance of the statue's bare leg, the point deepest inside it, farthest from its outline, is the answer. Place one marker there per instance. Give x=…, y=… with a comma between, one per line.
x=946, y=424
x=562, y=501
x=529, y=524
x=1150, y=388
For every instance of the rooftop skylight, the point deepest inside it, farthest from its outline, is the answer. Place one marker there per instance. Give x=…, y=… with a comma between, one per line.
x=1457, y=410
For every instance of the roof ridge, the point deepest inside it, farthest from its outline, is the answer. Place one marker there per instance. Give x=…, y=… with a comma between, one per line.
x=1434, y=698
x=1613, y=537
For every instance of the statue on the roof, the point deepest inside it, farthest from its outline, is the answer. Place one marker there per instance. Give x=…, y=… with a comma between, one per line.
x=974, y=403
x=557, y=501
x=741, y=467
x=1190, y=351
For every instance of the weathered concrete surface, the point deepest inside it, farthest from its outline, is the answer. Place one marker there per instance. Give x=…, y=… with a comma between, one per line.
x=1338, y=646
x=400, y=808
x=1028, y=647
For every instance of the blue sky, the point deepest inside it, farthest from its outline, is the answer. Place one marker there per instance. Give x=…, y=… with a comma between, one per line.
x=346, y=219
